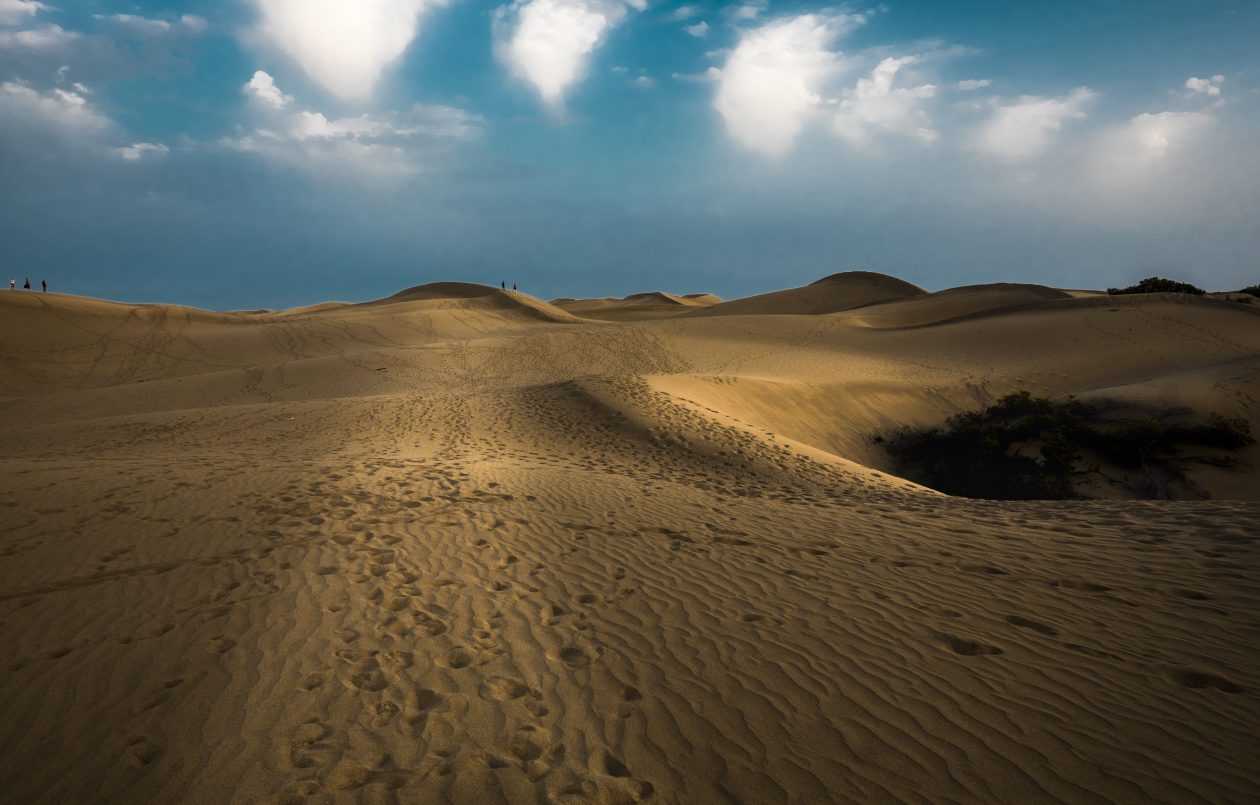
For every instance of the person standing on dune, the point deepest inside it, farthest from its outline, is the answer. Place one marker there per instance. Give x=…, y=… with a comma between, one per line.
x=12, y=284
x=45, y=284
x=26, y=286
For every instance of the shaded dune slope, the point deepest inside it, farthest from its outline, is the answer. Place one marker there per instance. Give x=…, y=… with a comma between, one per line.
x=838, y=292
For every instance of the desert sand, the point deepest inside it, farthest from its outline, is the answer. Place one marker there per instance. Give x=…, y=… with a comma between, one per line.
x=465, y=545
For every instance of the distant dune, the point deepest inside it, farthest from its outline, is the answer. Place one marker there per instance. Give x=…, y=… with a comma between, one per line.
x=832, y=294
x=638, y=306
x=461, y=544
x=955, y=303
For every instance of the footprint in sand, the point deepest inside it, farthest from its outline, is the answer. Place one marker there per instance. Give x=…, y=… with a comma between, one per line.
x=142, y=752
x=455, y=658
x=361, y=671
x=1202, y=680
x=969, y=648
x=630, y=699
x=502, y=688
x=536, y=749
x=310, y=748
x=575, y=657
x=1025, y=623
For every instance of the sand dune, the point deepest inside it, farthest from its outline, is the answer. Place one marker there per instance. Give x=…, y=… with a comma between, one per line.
x=638, y=306
x=844, y=291
x=460, y=544
x=956, y=303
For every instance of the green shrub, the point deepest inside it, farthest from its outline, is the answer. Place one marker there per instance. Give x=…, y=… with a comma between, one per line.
x=1158, y=285
x=1254, y=290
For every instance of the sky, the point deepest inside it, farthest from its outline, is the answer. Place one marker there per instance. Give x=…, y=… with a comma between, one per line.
x=271, y=153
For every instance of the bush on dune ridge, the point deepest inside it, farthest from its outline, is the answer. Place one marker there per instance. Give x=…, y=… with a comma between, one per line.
x=1032, y=448
x=1158, y=285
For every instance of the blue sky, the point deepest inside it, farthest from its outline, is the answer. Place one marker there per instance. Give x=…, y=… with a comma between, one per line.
x=280, y=152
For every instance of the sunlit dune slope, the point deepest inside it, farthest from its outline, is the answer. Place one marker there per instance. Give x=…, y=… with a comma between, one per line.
x=463, y=545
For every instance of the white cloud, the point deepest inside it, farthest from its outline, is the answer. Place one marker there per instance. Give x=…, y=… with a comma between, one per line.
x=66, y=112
x=617, y=68
x=138, y=151
x=874, y=105
x=41, y=38
x=749, y=11
x=1205, y=86
x=1156, y=135
x=262, y=88
x=771, y=83
x=194, y=23
x=643, y=82
x=973, y=84
x=14, y=12
x=1025, y=129
x=1161, y=149
x=145, y=25
x=344, y=46
x=547, y=42
x=1145, y=144
x=372, y=145
x=710, y=75
x=684, y=12
x=699, y=30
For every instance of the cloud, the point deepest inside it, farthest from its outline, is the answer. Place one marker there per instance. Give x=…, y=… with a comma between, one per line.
x=699, y=30
x=875, y=106
x=1147, y=145
x=1205, y=86
x=748, y=11
x=41, y=38
x=145, y=25
x=343, y=46
x=14, y=12
x=547, y=42
x=973, y=84
x=1156, y=135
x=771, y=82
x=708, y=76
x=643, y=82
x=138, y=151
x=1025, y=129
x=262, y=88
x=372, y=146
x=66, y=112
x=156, y=27
x=684, y=12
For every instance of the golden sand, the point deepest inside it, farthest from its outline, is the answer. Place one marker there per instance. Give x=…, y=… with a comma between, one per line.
x=465, y=545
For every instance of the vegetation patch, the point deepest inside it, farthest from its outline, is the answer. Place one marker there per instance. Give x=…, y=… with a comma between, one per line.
x=1032, y=448
x=1158, y=285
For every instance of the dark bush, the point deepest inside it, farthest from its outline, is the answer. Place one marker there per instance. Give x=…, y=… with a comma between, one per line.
x=1158, y=285
x=1026, y=447
x=1227, y=433
x=1254, y=290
